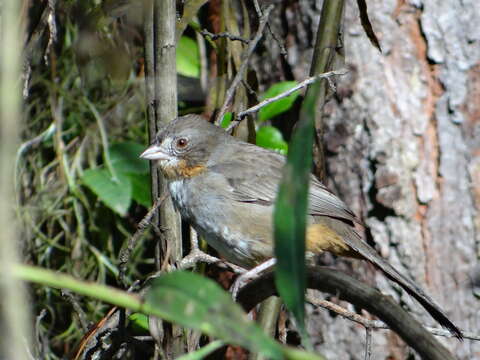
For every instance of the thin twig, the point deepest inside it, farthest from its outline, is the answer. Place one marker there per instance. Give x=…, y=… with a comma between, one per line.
x=227, y=35
x=142, y=226
x=38, y=335
x=82, y=316
x=377, y=324
x=283, y=51
x=52, y=29
x=368, y=343
x=251, y=275
x=241, y=115
x=241, y=71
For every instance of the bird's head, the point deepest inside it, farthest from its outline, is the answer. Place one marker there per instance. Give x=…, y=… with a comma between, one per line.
x=183, y=147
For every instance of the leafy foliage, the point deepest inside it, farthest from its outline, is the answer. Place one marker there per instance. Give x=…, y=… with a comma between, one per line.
x=204, y=306
x=280, y=106
x=77, y=205
x=188, y=60
x=271, y=138
x=130, y=179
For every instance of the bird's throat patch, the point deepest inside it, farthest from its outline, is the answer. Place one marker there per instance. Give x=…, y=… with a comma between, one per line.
x=182, y=170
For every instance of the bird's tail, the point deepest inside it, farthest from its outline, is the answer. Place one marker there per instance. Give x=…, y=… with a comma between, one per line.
x=408, y=285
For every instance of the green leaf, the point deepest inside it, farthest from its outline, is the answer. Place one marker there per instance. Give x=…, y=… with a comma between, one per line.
x=290, y=215
x=188, y=59
x=138, y=322
x=141, y=191
x=279, y=106
x=116, y=194
x=125, y=158
x=180, y=286
x=199, y=303
x=203, y=352
x=227, y=119
x=270, y=137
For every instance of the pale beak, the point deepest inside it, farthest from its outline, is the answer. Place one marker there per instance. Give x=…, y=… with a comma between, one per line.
x=154, y=152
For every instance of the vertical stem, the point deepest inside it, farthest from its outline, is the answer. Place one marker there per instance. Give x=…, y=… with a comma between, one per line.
x=161, y=72
x=323, y=60
x=166, y=109
x=267, y=319
x=149, y=45
x=14, y=309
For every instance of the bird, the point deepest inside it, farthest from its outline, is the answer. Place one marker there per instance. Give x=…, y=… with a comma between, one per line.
x=226, y=188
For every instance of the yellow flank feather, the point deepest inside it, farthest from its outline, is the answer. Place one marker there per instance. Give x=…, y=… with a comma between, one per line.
x=321, y=238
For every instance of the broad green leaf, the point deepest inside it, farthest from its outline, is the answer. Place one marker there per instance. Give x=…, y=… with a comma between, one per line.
x=270, y=137
x=177, y=285
x=227, y=119
x=199, y=303
x=188, y=59
x=290, y=215
x=125, y=158
x=116, y=194
x=141, y=192
x=279, y=106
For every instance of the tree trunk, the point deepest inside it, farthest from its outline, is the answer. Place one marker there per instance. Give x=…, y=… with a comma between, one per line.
x=402, y=138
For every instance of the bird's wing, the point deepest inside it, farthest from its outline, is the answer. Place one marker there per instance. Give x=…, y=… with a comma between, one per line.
x=254, y=174
x=323, y=202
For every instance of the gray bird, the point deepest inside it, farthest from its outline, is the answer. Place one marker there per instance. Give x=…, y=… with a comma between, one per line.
x=226, y=188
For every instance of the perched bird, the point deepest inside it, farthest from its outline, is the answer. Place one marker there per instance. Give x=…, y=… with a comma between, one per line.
x=225, y=188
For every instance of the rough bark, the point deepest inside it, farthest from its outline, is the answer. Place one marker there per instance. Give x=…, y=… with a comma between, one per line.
x=402, y=140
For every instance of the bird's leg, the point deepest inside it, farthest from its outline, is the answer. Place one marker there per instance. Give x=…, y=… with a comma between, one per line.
x=250, y=275
x=196, y=255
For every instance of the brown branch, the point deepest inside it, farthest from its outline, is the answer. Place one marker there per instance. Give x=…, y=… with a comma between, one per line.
x=361, y=295
x=246, y=59
x=226, y=35
x=190, y=10
x=259, y=11
x=166, y=107
x=377, y=324
x=142, y=226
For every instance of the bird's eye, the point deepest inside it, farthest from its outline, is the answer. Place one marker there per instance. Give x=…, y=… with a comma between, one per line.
x=181, y=143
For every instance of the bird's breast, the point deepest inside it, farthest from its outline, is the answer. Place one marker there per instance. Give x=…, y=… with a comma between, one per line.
x=233, y=231
x=178, y=191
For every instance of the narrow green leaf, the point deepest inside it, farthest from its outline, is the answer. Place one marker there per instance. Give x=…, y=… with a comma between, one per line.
x=117, y=195
x=290, y=215
x=188, y=59
x=199, y=303
x=175, y=287
x=125, y=158
x=203, y=352
x=270, y=137
x=279, y=106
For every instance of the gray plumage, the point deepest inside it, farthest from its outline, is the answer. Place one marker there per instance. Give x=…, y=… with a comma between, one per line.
x=229, y=200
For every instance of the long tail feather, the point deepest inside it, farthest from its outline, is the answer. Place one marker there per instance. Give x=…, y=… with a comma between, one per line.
x=408, y=285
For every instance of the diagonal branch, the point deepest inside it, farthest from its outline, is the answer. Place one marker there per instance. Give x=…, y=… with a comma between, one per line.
x=349, y=289
x=241, y=115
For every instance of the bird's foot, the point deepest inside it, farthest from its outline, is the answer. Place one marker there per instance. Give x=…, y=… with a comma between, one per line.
x=250, y=275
